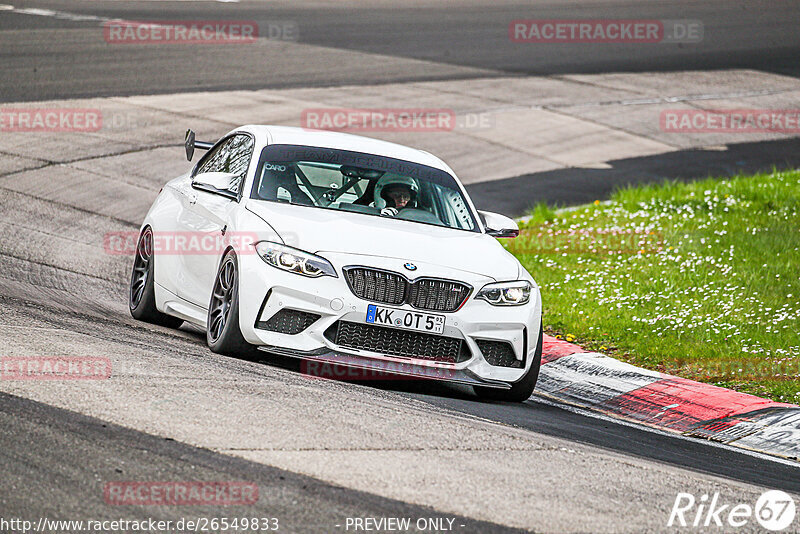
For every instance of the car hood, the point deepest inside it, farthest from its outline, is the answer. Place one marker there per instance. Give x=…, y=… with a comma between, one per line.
x=319, y=230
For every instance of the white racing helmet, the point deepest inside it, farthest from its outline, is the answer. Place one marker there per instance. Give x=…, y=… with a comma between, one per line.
x=389, y=180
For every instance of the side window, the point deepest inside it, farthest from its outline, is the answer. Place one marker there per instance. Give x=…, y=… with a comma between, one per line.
x=212, y=161
x=233, y=155
x=239, y=152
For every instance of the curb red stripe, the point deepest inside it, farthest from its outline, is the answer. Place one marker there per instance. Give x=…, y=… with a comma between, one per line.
x=680, y=404
x=553, y=349
x=603, y=384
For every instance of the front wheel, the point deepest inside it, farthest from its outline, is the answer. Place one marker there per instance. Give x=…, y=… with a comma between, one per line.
x=141, y=292
x=222, y=326
x=522, y=389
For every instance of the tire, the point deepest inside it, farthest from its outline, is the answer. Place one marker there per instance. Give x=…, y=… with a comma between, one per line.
x=223, y=334
x=141, y=292
x=522, y=389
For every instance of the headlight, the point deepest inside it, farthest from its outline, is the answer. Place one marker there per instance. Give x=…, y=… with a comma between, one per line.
x=506, y=293
x=294, y=260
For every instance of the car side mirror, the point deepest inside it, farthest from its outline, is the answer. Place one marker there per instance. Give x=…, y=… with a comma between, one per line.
x=217, y=182
x=499, y=225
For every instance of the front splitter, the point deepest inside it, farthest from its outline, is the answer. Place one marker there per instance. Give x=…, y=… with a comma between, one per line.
x=380, y=368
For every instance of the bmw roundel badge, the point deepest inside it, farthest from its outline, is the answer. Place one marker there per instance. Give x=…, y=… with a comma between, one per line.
x=410, y=266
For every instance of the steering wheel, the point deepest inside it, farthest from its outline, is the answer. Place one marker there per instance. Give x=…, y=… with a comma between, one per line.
x=418, y=215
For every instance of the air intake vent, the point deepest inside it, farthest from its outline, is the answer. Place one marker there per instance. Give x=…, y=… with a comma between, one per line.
x=395, y=342
x=499, y=353
x=288, y=321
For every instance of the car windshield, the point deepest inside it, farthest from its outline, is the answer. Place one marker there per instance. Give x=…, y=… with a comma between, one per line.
x=361, y=183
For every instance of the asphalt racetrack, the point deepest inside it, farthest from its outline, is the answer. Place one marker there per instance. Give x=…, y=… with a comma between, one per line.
x=428, y=40
x=323, y=451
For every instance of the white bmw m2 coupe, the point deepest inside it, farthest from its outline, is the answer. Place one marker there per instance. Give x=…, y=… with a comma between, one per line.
x=339, y=249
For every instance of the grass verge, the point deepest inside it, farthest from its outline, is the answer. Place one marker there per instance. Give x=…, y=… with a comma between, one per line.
x=700, y=280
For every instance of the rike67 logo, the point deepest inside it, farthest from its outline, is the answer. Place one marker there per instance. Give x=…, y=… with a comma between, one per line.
x=774, y=510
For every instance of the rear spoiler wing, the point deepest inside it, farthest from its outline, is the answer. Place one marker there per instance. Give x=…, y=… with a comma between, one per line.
x=191, y=143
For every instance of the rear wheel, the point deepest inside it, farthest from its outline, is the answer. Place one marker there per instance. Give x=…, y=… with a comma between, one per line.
x=222, y=327
x=141, y=292
x=522, y=389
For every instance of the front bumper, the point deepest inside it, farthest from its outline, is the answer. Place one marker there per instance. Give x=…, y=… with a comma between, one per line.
x=265, y=290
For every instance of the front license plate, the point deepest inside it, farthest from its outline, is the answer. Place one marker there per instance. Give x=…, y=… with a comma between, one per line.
x=411, y=320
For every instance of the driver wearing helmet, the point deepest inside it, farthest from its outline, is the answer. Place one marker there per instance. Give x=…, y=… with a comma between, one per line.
x=394, y=193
